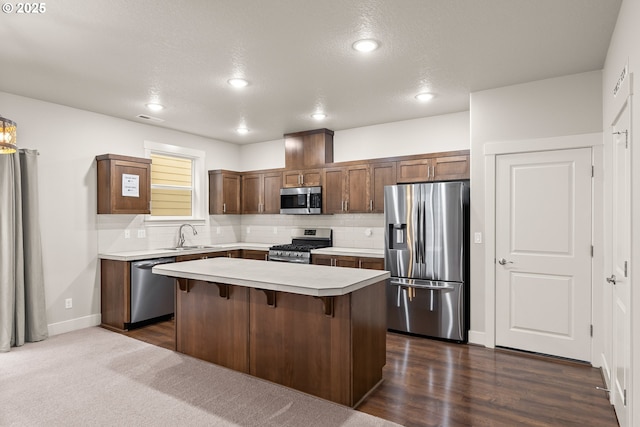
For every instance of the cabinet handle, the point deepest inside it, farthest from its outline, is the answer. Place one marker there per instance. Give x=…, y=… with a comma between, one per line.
x=266, y=257
x=224, y=208
x=302, y=179
x=371, y=205
x=346, y=205
x=299, y=176
x=359, y=263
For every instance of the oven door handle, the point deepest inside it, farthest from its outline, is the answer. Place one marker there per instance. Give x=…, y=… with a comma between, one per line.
x=285, y=259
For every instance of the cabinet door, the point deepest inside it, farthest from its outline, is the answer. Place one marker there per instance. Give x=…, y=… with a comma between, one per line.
x=357, y=187
x=224, y=192
x=381, y=174
x=231, y=194
x=322, y=260
x=271, y=198
x=414, y=170
x=252, y=190
x=346, y=261
x=333, y=199
x=253, y=254
x=312, y=177
x=371, y=263
x=451, y=168
x=292, y=178
x=302, y=178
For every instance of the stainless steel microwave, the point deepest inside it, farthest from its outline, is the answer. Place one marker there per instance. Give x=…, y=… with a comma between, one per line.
x=301, y=200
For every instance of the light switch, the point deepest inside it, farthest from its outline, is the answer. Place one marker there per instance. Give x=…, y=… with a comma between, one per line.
x=477, y=237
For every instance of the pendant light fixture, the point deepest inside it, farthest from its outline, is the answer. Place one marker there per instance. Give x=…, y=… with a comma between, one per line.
x=7, y=136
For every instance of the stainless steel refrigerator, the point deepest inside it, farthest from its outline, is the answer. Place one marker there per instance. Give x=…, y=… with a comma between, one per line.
x=426, y=246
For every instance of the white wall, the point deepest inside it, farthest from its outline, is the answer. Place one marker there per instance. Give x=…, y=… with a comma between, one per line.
x=568, y=105
x=68, y=141
x=625, y=48
x=448, y=132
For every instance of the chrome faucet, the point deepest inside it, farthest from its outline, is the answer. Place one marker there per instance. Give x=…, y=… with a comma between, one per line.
x=181, y=234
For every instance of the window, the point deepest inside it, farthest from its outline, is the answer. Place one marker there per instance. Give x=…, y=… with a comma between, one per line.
x=171, y=186
x=177, y=182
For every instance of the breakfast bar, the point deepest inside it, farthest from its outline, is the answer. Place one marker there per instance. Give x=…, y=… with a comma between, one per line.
x=317, y=329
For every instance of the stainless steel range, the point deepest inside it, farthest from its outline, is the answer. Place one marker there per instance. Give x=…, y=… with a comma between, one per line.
x=303, y=241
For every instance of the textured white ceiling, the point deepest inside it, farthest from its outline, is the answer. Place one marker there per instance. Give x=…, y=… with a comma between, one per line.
x=114, y=56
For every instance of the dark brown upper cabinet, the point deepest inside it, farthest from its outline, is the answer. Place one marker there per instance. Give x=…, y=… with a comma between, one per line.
x=224, y=192
x=124, y=184
x=308, y=149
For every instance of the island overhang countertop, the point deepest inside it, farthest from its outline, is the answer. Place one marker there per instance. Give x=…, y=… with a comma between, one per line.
x=304, y=279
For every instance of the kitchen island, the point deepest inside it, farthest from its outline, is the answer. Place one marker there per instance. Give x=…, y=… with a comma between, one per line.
x=317, y=329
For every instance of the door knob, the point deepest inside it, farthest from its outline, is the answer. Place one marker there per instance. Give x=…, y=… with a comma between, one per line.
x=611, y=279
x=503, y=261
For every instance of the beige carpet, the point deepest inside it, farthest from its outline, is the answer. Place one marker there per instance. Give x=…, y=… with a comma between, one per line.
x=96, y=377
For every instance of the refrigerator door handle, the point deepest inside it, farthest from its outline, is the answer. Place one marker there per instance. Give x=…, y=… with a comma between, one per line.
x=419, y=286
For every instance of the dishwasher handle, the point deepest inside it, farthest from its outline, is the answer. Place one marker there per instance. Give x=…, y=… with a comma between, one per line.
x=149, y=264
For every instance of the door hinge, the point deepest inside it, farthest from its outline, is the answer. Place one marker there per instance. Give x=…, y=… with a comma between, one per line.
x=591, y=251
x=624, y=397
x=625, y=268
x=591, y=330
x=593, y=172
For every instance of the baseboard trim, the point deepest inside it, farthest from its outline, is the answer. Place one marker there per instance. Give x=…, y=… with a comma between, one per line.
x=478, y=338
x=73, y=324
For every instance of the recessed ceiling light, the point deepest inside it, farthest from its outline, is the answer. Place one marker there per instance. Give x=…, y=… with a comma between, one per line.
x=425, y=96
x=366, y=45
x=242, y=130
x=319, y=116
x=155, y=107
x=238, y=82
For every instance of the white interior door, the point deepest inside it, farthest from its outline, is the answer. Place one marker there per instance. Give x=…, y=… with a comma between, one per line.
x=543, y=252
x=620, y=255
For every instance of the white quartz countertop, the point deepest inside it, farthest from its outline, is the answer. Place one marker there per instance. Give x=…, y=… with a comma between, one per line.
x=172, y=252
x=305, y=279
x=361, y=252
x=168, y=252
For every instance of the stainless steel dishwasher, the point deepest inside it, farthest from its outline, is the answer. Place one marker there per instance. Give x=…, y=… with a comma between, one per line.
x=152, y=295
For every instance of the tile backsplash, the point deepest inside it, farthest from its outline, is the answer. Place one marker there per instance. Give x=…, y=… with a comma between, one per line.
x=119, y=233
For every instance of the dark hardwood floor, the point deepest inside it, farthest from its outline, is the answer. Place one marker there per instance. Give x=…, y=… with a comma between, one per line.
x=434, y=383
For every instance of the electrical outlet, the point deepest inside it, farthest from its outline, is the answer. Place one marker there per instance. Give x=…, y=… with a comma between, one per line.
x=68, y=303
x=368, y=232
x=142, y=234
x=477, y=237
x=127, y=234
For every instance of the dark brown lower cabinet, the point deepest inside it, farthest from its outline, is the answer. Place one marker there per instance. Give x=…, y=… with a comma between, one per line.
x=330, y=347
x=348, y=261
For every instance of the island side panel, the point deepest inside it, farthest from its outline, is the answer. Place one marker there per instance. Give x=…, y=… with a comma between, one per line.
x=295, y=344
x=369, y=332
x=212, y=327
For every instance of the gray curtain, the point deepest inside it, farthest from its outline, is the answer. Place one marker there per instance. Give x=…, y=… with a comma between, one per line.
x=22, y=303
